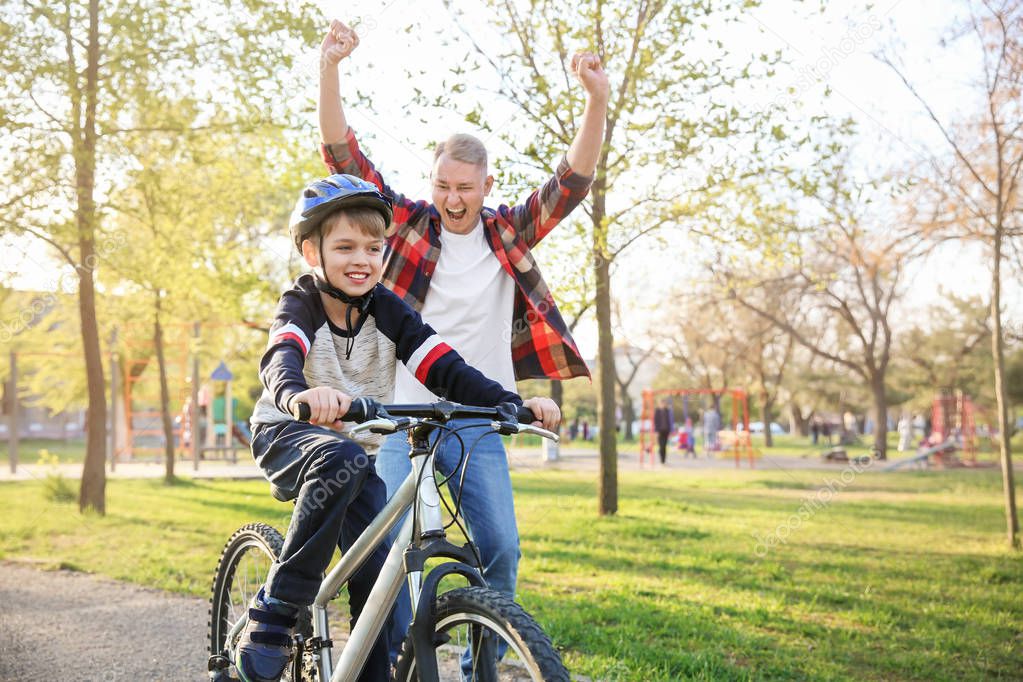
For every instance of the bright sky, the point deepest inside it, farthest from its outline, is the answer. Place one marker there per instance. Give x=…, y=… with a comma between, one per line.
x=835, y=48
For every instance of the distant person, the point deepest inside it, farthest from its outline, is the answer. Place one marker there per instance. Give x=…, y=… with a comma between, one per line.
x=815, y=430
x=919, y=427
x=849, y=421
x=664, y=424
x=573, y=430
x=905, y=429
x=711, y=426
x=687, y=439
x=826, y=431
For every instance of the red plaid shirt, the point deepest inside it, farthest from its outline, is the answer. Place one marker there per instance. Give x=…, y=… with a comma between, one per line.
x=540, y=343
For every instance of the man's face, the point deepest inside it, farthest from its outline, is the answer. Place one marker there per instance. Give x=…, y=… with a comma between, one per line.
x=458, y=191
x=352, y=259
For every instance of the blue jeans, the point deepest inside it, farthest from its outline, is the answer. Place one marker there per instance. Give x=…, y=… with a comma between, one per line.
x=488, y=510
x=337, y=494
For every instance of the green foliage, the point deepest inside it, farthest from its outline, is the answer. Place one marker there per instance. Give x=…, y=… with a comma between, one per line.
x=195, y=173
x=56, y=488
x=949, y=349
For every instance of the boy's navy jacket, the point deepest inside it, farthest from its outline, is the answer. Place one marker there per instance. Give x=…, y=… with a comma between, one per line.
x=306, y=350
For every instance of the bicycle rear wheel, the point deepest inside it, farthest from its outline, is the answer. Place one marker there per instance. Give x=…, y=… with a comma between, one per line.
x=478, y=620
x=241, y=571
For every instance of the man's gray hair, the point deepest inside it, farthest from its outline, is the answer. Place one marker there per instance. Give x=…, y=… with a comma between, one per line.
x=464, y=148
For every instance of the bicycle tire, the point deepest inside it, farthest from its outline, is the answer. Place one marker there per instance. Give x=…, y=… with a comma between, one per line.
x=532, y=656
x=258, y=544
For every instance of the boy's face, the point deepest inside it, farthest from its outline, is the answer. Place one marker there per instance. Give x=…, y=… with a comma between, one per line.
x=352, y=259
x=458, y=191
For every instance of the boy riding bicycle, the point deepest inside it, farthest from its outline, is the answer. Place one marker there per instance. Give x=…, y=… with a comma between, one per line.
x=337, y=333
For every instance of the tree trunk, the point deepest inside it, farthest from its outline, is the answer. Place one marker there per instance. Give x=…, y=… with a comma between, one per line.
x=880, y=415
x=797, y=422
x=608, y=495
x=92, y=494
x=557, y=393
x=628, y=416
x=168, y=428
x=998, y=353
x=767, y=414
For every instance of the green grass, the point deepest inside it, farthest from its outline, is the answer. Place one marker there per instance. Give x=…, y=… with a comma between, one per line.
x=899, y=577
x=66, y=451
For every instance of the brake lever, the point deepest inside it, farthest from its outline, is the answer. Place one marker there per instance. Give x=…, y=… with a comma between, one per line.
x=536, y=430
x=510, y=428
x=381, y=426
x=505, y=428
x=384, y=426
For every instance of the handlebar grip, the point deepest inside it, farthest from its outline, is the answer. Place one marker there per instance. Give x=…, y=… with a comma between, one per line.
x=360, y=410
x=525, y=415
x=301, y=412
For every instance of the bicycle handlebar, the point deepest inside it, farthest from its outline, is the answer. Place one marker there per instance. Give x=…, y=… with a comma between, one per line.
x=366, y=409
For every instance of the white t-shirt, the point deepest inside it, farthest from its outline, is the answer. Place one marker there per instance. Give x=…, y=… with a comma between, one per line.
x=469, y=305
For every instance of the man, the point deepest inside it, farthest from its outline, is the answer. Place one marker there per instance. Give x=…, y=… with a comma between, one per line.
x=664, y=424
x=469, y=271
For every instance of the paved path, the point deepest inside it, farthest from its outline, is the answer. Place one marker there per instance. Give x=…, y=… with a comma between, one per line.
x=521, y=459
x=62, y=625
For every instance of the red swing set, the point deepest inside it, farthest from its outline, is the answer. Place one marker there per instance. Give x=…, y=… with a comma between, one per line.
x=737, y=438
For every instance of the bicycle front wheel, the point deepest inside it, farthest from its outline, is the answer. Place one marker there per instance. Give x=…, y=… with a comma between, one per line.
x=484, y=636
x=242, y=570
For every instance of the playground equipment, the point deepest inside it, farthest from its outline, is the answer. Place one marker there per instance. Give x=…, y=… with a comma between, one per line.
x=943, y=455
x=737, y=438
x=223, y=434
x=138, y=422
x=952, y=419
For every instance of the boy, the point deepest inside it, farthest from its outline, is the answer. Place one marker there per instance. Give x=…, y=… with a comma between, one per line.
x=337, y=333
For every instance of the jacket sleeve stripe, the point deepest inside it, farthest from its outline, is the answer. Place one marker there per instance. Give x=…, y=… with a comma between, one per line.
x=291, y=332
x=424, y=368
x=423, y=358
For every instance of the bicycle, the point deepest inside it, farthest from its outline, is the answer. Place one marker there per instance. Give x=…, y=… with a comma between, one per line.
x=472, y=618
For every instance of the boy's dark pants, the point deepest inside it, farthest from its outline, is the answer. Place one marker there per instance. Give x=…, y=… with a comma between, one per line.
x=337, y=494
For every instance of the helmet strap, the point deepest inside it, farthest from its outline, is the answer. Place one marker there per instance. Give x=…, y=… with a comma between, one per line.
x=353, y=304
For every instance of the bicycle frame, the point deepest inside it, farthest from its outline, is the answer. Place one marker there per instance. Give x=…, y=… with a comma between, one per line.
x=387, y=586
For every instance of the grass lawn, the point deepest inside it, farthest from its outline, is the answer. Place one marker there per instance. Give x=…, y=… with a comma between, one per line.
x=703, y=574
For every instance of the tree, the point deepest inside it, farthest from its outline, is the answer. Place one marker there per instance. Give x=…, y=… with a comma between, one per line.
x=717, y=344
x=848, y=283
x=947, y=352
x=976, y=192
x=196, y=260
x=659, y=163
x=769, y=354
x=79, y=81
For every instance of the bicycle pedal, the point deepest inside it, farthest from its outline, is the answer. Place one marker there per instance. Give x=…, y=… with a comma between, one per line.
x=219, y=668
x=222, y=676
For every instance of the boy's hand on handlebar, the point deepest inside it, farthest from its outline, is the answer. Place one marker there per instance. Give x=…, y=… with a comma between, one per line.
x=326, y=405
x=547, y=413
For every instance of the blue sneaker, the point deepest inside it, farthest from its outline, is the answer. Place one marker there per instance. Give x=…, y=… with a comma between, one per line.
x=265, y=647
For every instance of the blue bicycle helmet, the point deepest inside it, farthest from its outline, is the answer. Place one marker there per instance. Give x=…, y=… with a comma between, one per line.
x=322, y=197
x=318, y=200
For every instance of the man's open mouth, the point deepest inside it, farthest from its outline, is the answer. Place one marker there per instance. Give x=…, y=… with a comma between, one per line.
x=456, y=215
